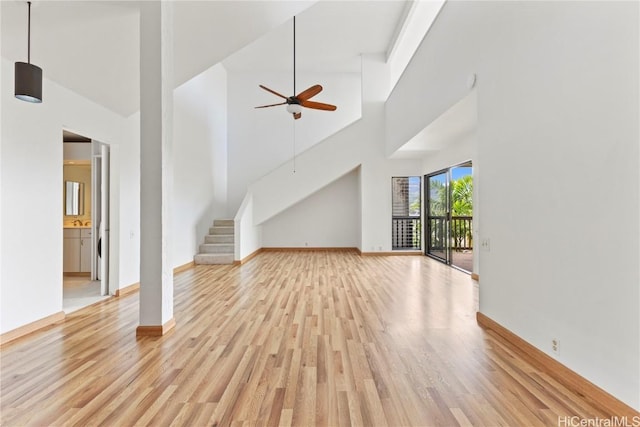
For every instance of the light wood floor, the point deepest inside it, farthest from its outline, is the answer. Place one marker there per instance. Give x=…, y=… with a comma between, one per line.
x=290, y=338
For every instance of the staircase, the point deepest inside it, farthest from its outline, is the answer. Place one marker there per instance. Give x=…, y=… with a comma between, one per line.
x=219, y=244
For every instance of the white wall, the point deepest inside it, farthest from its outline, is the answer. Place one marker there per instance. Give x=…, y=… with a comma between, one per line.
x=455, y=152
x=327, y=218
x=558, y=148
x=248, y=236
x=200, y=160
x=125, y=168
x=31, y=193
x=377, y=170
x=260, y=140
x=360, y=144
x=376, y=174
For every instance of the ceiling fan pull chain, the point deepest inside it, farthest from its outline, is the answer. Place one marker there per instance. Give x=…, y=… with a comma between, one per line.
x=294, y=146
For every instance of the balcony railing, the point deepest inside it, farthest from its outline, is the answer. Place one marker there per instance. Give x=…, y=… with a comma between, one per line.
x=406, y=233
x=461, y=228
x=462, y=232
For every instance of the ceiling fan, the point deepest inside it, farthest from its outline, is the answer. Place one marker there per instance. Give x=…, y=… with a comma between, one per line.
x=296, y=102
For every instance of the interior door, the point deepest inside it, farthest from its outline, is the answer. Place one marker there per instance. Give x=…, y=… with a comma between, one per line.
x=438, y=215
x=103, y=241
x=96, y=209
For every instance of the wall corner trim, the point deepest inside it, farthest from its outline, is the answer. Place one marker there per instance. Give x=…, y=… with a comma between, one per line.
x=31, y=327
x=392, y=253
x=310, y=249
x=248, y=257
x=570, y=379
x=155, y=330
x=128, y=290
x=183, y=267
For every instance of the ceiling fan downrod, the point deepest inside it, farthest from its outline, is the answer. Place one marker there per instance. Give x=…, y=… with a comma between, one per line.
x=294, y=54
x=295, y=103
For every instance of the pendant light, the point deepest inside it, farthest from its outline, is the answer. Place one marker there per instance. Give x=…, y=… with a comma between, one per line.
x=28, y=77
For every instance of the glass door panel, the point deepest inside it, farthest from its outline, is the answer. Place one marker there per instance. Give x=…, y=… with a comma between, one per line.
x=437, y=196
x=449, y=216
x=461, y=253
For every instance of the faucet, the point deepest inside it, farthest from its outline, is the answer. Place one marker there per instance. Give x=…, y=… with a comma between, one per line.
x=77, y=222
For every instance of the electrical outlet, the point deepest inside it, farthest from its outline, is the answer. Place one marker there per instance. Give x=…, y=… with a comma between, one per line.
x=485, y=244
x=555, y=345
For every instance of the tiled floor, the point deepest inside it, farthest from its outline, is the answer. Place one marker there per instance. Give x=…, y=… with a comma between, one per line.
x=80, y=292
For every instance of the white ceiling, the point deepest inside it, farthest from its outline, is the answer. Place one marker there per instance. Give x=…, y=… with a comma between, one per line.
x=89, y=47
x=330, y=36
x=456, y=124
x=92, y=47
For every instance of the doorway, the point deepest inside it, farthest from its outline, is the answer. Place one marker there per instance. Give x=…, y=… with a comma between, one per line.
x=86, y=177
x=101, y=166
x=449, y=216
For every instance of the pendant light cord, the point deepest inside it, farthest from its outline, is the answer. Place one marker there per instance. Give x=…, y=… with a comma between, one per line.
x=29, y=35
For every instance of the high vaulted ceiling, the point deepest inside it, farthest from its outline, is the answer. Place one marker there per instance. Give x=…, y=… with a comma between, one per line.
x=92, y=47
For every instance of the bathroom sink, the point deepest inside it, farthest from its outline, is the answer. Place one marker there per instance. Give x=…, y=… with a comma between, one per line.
x=85, y=224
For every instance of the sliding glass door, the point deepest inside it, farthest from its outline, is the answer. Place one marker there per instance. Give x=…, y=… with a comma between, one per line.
x=449, y=216
x=437, y=215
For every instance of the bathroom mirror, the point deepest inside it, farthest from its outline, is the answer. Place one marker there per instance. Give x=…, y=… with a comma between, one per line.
x=74, y=198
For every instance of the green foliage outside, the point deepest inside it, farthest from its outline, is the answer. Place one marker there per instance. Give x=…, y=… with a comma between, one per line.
x=462, y=196
x=461, y=205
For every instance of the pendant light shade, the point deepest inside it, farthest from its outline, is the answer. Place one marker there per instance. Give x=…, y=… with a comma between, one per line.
x=28, y=83
x=28, y=77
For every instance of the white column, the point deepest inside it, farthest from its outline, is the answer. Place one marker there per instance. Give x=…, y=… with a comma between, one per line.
x=156, y=167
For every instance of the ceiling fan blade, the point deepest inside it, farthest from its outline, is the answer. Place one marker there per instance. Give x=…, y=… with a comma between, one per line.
x=271, y=105
x=296, y=116
x=272, y=91
x=318, y=105
x=309, y=93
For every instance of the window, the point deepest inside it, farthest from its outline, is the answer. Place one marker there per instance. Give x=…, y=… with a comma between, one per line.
x=405, y=216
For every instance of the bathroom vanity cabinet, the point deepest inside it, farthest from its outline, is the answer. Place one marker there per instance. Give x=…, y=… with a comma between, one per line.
x=77, y=250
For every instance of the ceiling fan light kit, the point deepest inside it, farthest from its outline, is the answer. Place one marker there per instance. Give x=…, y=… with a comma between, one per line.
x=295, y=103
x=28, y=77
x=294, y=108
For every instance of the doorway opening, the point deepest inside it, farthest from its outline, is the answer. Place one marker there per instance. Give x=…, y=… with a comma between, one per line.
x=449, y=216
x=85, y=194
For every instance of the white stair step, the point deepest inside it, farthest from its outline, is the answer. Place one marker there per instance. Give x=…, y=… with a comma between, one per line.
x=219, y=238
x=223, y=222
x=217, y=248
x=221, y=230
x=213, y=259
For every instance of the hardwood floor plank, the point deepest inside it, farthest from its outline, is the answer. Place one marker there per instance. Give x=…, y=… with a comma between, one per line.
x=287, y=338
